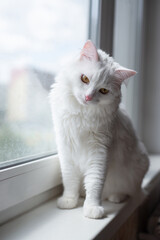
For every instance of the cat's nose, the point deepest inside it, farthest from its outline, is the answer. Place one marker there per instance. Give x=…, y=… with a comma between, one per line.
x=88, y=98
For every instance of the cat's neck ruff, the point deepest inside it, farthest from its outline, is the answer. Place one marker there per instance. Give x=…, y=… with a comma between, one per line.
x=93, y=115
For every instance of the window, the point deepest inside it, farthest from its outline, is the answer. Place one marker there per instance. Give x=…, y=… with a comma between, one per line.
x=37, y=37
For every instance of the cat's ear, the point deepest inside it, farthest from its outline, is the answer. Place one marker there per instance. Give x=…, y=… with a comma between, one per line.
x=89, y=52
x=121, y=74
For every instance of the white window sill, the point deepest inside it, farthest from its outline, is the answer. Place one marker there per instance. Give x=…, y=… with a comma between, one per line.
x=48, y=222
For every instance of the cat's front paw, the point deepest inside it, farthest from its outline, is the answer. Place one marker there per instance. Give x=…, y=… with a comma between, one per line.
x=94, y=212
x=67, y=202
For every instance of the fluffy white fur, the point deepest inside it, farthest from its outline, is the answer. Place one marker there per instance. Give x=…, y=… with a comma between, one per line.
x=100, y=154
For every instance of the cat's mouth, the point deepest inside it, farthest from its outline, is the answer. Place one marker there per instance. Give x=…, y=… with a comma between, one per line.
x=85, y=102
x=81, y=100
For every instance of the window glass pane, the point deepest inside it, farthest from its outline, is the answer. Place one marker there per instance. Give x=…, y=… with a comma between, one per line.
x=36, y=38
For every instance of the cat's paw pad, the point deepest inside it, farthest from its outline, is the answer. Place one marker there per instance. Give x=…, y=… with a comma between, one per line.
x=67, y=202
x=94, y=212
x=117, y=198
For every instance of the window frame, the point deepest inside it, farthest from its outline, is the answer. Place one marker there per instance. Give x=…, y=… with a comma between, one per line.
x=101, y=24
x=22, y=182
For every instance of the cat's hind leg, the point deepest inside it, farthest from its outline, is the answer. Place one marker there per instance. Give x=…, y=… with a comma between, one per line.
x=117, y=197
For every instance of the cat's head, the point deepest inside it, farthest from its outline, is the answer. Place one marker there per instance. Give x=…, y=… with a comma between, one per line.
x=96, y=78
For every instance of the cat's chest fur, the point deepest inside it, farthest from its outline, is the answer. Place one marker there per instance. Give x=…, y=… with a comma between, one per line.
x=78, y=119
x=81, y=128
x=82, y=133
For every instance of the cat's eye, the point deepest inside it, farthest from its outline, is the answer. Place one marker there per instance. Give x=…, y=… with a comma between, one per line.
x=104, y=91
x=84, y=79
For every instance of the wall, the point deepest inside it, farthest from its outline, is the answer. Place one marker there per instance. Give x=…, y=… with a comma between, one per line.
x=151, y=103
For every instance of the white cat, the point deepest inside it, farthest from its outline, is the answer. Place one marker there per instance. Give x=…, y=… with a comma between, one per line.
x=98, y=149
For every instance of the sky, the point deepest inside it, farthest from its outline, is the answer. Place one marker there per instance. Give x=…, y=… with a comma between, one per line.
x=40, y=33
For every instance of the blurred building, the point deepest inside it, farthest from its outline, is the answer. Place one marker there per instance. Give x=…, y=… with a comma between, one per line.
x=28, y=95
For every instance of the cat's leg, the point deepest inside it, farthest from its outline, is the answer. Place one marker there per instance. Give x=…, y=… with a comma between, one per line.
x=92, y=205
x=70, y=195
x=94, y=181
x=71, y=184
